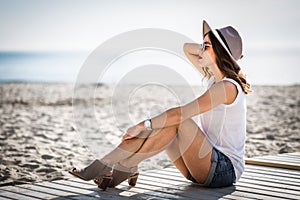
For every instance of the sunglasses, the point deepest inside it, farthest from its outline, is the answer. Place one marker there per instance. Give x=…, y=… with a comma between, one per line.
x=204, y=46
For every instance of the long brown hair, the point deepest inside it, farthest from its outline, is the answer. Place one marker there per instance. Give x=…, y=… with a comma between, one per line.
x=227, y=66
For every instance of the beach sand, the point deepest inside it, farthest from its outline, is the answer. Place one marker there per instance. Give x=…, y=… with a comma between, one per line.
x=41, y=137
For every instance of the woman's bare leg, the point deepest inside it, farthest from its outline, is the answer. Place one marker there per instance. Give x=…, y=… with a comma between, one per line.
x=126, y=149
x=157, y=142
x=193, y=146
x=175, y=156
x=197, y=155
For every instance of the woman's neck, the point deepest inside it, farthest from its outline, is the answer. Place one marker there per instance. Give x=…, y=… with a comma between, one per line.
x=218, y=75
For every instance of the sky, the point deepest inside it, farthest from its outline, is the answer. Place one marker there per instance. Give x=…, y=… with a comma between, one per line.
x=269, y=28
x=35, y=25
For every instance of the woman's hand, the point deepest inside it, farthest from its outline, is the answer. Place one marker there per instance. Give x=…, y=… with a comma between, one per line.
x=192, y=50
x=133, y=132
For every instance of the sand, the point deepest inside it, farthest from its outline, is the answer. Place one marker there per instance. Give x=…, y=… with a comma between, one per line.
x=41, y=138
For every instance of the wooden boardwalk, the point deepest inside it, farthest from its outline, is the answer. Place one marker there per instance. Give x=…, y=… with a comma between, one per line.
x=257, y=182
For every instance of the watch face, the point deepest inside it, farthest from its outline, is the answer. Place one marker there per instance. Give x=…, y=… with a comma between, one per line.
x=147, y=124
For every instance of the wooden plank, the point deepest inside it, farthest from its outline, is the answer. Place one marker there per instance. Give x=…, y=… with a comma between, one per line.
x=237, y=193
x=85, y=192
x=15, y=194
x=288, y=160
x=273, y=163
x=284, y=159
x=134, y=191
x=251, y=188
x=149, y=186
x=182, y=185
x=186, y=190
x=278, y=188
x=258, y=181
x=258, y=167
x=259, y=194
x=274, y=175
x=238, y=197
x=278, y=173
x=267, y=180
x=271, y=185
x=272, y=169
x=128, y=192
x=47, y=191
x=279, y=192
x=227, y=192
x=254, y=169
x=66, y=192
x=77, y=183
x=261, y=169
x=183, y=189
x=268, y=177
x=262, y=182
x=161, y=175
x=43, y=194
x=7, y=198
x=151, y=191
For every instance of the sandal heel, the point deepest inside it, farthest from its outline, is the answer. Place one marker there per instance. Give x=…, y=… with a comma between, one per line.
x=106, y=180
x=133, y=179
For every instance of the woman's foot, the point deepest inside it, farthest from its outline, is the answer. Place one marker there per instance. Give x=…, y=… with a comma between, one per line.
x=92, y=171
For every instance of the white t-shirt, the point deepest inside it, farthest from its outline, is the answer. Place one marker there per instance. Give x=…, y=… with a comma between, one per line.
x=225, y=128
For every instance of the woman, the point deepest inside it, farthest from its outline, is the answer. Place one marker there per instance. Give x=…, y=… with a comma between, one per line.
x=210, y=155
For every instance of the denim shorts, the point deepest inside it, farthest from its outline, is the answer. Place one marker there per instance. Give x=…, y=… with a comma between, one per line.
x=221, y=172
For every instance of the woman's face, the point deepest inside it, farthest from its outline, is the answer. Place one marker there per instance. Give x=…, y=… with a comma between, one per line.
x=207, y=57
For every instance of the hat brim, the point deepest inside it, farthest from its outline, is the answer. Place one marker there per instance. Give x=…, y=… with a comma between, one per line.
x=206, y=29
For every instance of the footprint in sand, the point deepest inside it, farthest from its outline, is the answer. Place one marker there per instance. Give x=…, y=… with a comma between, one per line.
x=47, y=157
x=31, y=166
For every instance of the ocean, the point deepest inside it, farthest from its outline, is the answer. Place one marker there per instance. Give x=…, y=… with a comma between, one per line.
x=263, y=66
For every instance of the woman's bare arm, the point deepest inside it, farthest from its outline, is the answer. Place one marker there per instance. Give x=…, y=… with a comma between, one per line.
x=222, y=92
x=191, y=50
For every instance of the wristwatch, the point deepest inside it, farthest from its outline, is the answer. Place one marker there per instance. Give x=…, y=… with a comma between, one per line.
x=147, y=124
